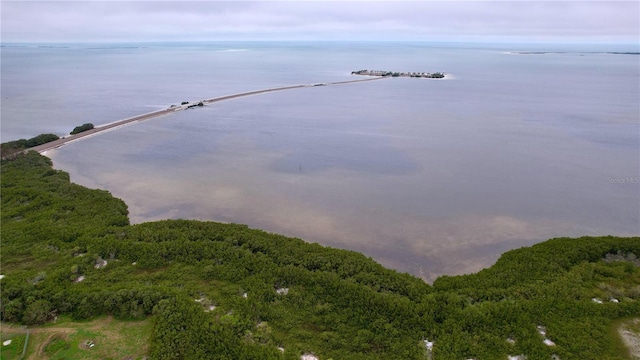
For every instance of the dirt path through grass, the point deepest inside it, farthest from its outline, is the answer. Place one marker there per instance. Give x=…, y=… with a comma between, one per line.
x=112, y=338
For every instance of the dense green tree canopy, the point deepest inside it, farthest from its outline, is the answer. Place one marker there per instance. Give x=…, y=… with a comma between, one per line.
x=12, y=147
x=224, y=291
x=81, y=128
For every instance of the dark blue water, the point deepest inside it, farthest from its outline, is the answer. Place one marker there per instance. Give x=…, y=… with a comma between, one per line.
x=426, y=176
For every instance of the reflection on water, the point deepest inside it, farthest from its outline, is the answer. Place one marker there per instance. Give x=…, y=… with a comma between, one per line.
x=428, y=192
x=426, y=176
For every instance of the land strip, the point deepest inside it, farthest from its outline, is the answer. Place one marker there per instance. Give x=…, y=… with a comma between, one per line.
x=60, y=142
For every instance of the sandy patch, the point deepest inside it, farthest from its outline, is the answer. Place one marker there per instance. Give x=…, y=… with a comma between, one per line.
x=631, y=338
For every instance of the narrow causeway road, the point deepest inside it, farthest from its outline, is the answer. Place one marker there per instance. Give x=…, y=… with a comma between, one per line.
x=60, y=142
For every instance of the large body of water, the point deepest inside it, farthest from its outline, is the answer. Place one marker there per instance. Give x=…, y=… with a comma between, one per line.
x=426, y=176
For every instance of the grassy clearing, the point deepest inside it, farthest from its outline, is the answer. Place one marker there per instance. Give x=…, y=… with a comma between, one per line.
x=111, y=339
x=56, y=345
x=14, y=350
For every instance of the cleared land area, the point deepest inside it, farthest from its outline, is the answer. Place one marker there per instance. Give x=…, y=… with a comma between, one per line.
x=103, y=338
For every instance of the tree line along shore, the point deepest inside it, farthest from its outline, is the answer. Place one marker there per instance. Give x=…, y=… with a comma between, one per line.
x=12, y=148
x=225, y=291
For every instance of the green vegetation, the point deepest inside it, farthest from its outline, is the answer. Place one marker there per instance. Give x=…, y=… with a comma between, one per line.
x=81, y=128
x=224, y=291
x=56, y=346
x=13, y=350
x=12, y=147
x=102, y=338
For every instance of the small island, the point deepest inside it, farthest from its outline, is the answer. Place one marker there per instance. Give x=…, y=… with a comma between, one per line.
x=436, y=75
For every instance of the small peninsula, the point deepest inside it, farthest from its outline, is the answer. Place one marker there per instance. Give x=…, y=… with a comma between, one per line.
x=384, y=73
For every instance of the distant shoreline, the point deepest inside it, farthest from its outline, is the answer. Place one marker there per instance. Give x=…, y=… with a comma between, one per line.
x=572, y=52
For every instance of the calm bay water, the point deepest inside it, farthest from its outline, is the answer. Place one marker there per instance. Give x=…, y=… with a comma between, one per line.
x=426, y=176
